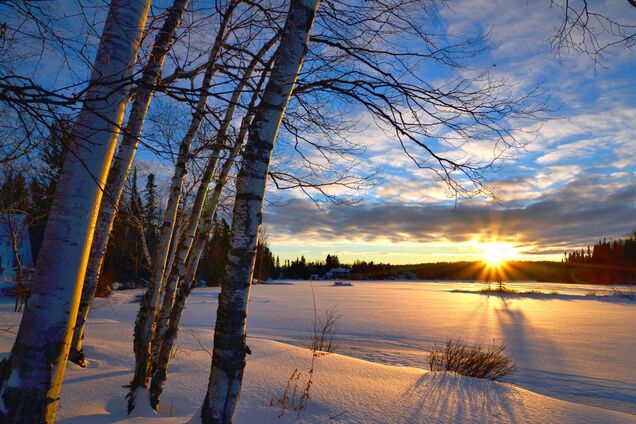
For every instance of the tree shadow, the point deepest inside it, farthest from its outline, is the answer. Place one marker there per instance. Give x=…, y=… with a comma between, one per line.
x=533, y=356
x=450, y=398
x=513, y=326
x=86, y=378
x=548, y=296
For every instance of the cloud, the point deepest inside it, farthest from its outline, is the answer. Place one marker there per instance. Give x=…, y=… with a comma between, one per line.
x=579, y=213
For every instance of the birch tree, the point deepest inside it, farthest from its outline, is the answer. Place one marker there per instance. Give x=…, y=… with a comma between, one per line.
x=230, y=349
x=143, y=332
x=120, y=169
x=168, y=337
x=179, y=267
x=31, y=378
x=16, y=224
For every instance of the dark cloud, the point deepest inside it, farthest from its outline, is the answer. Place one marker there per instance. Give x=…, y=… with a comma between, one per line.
x=578, y=214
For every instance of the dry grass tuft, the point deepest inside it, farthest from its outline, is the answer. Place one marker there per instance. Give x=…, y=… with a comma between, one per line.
x=322, y=337
x=296, y=393
x=472, y=361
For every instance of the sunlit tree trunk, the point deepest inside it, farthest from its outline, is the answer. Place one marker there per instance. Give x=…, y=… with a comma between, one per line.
x=220, y=140
x=176, y=236
x=119, y=171
x=31, y=378
x=230, y=349
x=146, y=316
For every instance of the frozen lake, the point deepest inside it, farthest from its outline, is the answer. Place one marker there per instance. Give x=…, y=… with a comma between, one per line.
x=571, y=346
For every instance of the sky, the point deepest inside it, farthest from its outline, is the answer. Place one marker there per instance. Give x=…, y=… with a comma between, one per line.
x=573, y=184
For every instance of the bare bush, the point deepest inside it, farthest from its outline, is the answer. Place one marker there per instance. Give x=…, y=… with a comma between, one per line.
x=498, y=290
x=502, y=290
x=472, y=361
x=296, y=392
x=322, y=339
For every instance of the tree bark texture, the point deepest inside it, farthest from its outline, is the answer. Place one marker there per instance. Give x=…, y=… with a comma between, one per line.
x=121, y=168
x=230, y=349
x=31, y=378
x=144, y=324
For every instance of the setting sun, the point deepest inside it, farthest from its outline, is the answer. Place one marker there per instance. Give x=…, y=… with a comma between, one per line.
x=495, y=254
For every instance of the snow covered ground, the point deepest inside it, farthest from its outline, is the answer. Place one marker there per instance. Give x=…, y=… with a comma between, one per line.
x=575, y=353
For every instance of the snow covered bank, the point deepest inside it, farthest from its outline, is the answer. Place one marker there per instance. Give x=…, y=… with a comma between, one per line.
x=578, y=351
x=345, y=390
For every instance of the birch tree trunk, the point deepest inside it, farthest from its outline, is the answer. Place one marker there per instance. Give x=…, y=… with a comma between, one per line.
x=184, y=245
x=20, y=287
x=220, y=140
x=121, y=168
x=31, y=378
x=176, y=236
x=148, y=309
x=169, y=337
x=230, y=349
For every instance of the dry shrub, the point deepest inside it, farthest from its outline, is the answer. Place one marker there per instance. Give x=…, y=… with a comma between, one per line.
x=296, y=393
x=297, y=390
x=472, y=361
x=499, y=289
x=322, y=338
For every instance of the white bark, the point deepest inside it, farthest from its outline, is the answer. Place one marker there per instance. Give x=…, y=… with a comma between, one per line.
x=230, y=349
x=31, y=379
x=121, y=168
x=169, y=336
x=186, y=243
x=144, y=323
x=174, y=243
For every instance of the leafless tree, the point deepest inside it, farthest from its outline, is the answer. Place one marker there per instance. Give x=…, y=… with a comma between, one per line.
x=121, y=168
x=165, y=342
x=230, y=349
x=589, y=29
x=31, y=378
x=16, y=225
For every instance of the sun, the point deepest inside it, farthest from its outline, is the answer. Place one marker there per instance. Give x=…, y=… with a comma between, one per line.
x=496, y=254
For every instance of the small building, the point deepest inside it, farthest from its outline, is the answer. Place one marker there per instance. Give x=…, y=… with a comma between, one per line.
x=14, y=226
x=337, y=273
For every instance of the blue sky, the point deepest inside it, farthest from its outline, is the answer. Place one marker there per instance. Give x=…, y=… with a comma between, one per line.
x=573, y=184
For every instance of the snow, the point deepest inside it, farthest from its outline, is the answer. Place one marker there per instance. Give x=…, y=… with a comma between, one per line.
x=575, y=356
x=14, y=379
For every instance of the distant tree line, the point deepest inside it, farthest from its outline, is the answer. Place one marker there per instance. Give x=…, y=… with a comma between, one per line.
x=611, y=261
x=264, y=68
x=300, y=268
x=607, y=262
x=29, y=190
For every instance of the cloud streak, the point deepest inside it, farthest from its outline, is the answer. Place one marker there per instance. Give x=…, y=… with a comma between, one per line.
x=578, y=214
